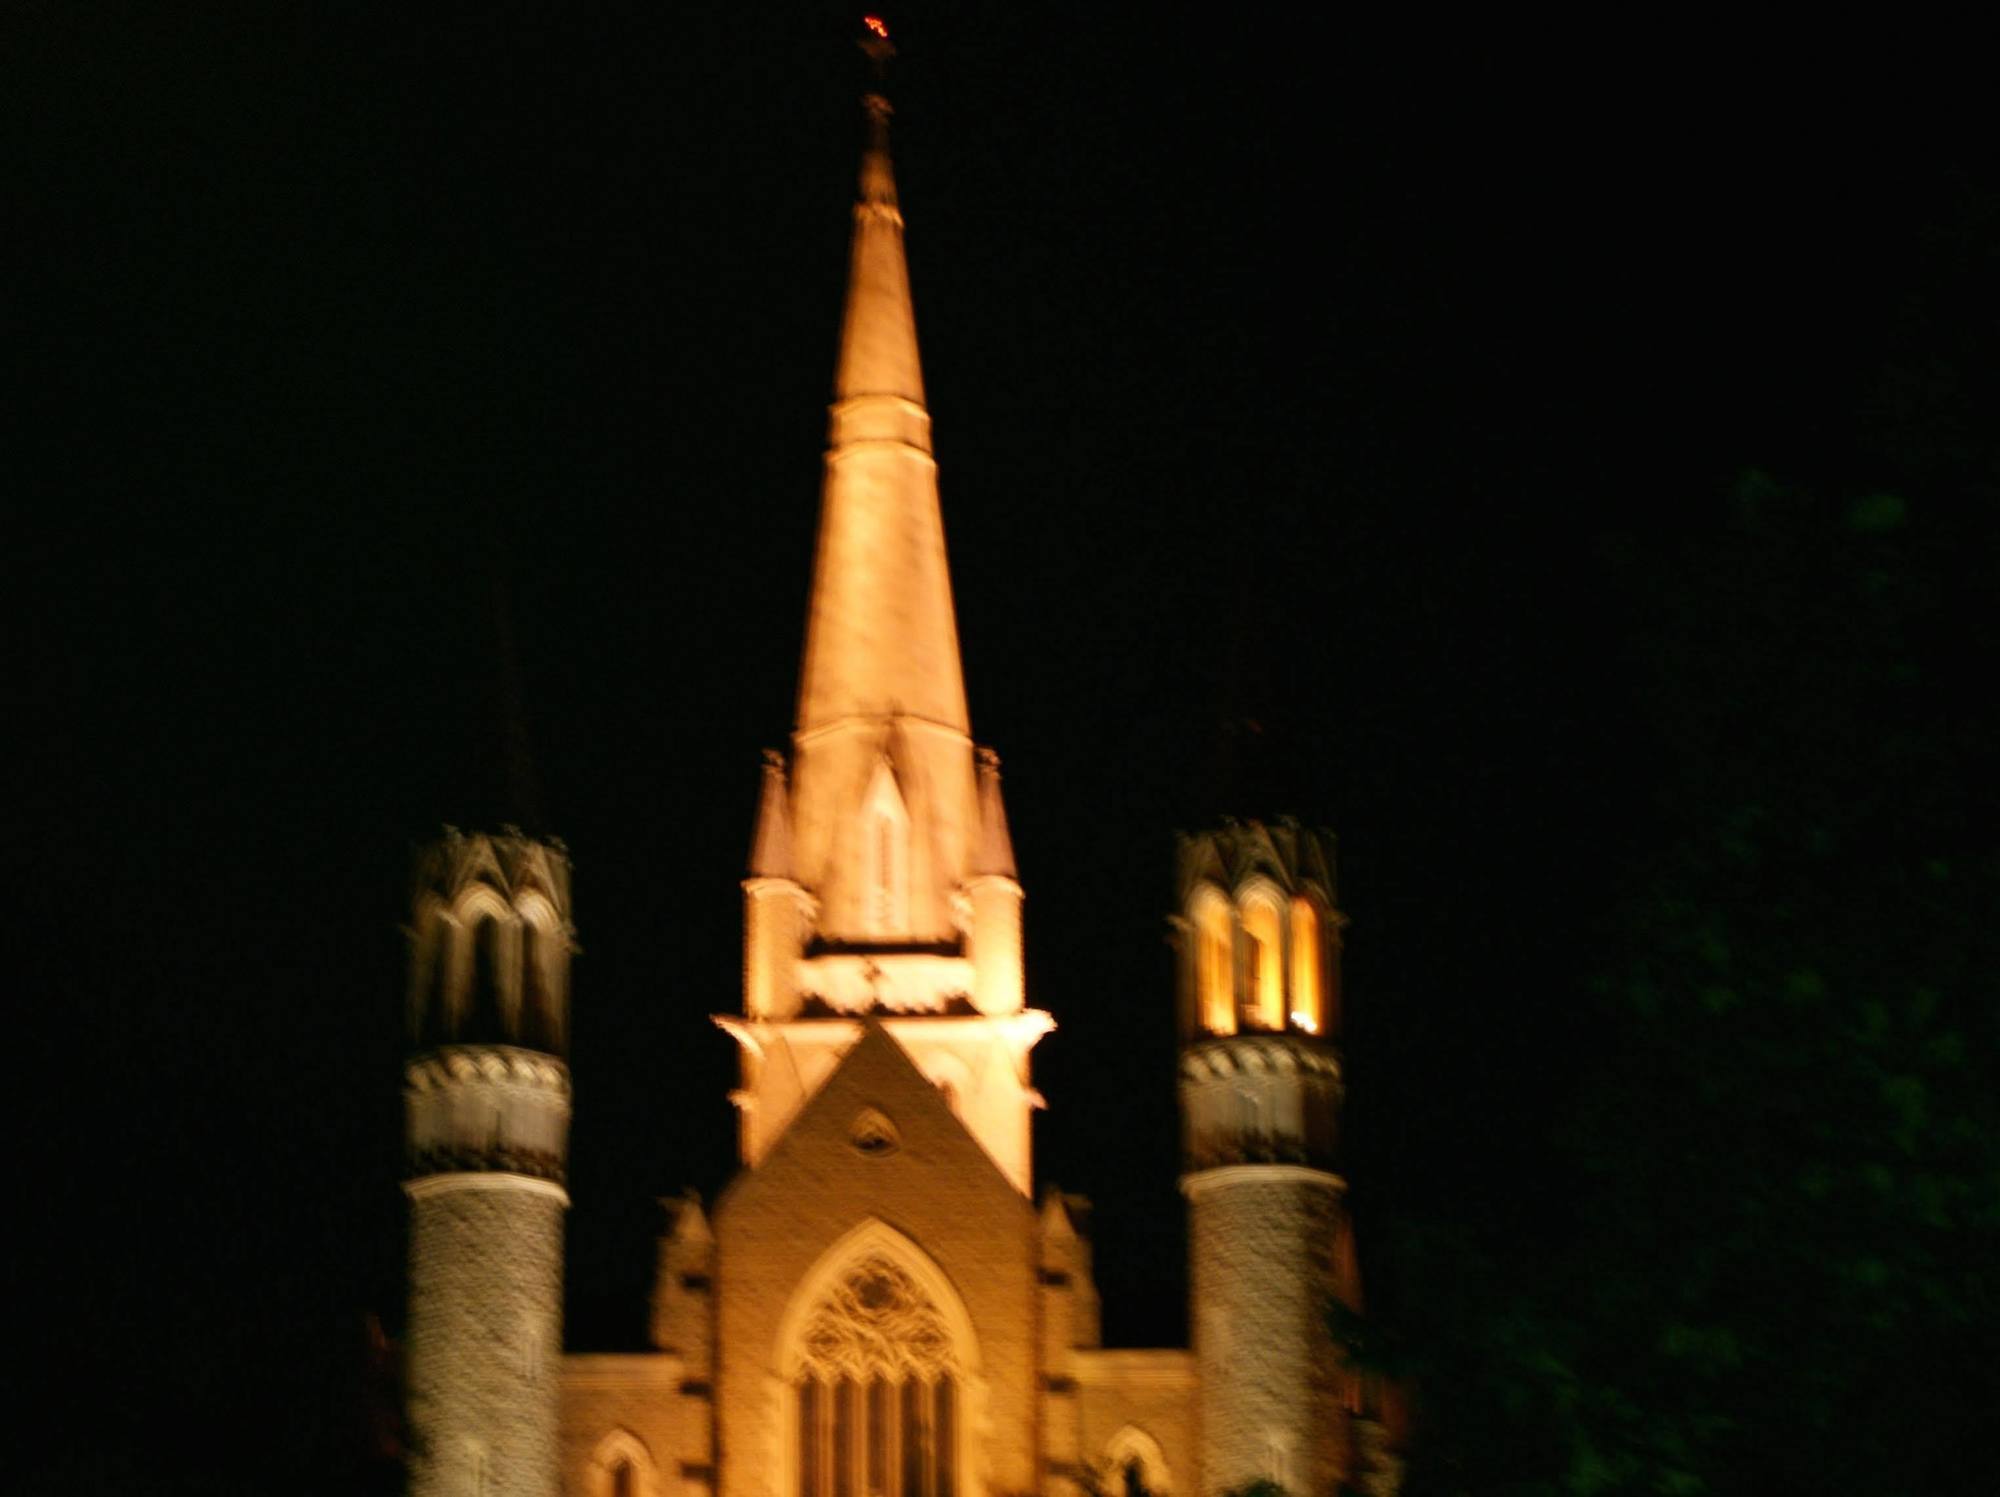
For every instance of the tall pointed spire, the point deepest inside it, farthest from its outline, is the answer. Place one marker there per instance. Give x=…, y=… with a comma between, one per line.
x=878, y=338
x=880, y=637
x=771, y=843
x=882, y=888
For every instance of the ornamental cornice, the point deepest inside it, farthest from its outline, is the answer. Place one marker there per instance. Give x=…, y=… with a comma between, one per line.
x=497, y=1160
x=1199, y=1181
x=484, y=1180
x=1259, y=1054
x=499, y=1065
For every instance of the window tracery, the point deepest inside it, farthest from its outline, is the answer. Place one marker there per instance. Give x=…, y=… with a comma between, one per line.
x=877, y=1389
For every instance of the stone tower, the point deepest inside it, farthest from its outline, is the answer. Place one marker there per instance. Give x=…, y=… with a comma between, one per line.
x=1258, y=939
x=487, y=1099
x=882, y=879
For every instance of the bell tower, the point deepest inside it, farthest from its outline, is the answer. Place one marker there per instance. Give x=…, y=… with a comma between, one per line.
x=882, y=882
x=487, y=1106
x=1257, y=935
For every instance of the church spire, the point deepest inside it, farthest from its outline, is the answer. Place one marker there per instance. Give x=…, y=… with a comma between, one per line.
x=882, y=887
x=878, y=339
x=881, y=641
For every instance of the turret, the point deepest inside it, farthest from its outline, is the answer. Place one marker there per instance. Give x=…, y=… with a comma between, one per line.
x=1067, y=1313
x=994, y=893
x=777, y=912
x=487, y=1106
x=1258, y=939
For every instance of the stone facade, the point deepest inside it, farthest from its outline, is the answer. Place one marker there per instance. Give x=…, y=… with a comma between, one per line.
x=631, y=1410
x=935, y=1188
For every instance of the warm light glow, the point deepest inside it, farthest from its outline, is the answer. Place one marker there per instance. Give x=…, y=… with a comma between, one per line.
x=877, y=25
x=1308, y=970
x=1263, y=961
x=1215, y=988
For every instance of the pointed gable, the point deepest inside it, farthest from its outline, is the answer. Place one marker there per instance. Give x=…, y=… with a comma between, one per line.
x=876, y=1080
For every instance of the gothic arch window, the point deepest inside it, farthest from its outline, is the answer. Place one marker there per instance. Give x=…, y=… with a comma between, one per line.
x=1308, y=1010
x=1136, y=1464
x=535, y=1027
x=483, y=990
x=1214, y=979
x=485, y=965
x=878, y=1355
x=622, y=1466
x=542, y=973
x=885, y=856
x=430, y=977
x=1263, y=959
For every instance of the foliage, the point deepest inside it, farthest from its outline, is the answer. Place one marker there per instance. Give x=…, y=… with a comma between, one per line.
x=1786, y=1269
x=1791, y=1153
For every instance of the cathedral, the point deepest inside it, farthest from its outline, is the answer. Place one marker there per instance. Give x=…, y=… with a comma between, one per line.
x=880, y=1303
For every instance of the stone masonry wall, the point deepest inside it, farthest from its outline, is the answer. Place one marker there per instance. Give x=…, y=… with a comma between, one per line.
x=939, y=1189
x=613, y=1403
x=1261, y=1239
x=485, y=1337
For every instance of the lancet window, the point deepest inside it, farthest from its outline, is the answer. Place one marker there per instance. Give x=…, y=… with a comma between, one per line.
x=541, y=993
x=483, y=1004
x=1263, y=962
x=1214, y=979
x=1308, y=968
x=877, y=1395
x=622, y=1467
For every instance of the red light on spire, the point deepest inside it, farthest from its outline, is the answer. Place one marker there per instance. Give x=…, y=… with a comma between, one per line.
x=877, y=25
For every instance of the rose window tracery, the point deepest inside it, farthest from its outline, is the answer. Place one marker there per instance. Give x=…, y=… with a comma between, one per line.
x=877, y=1320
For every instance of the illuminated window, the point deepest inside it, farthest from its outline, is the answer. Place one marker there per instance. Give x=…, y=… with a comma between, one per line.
x=1308, y=964
x=1215, y=985
x=1263, y=962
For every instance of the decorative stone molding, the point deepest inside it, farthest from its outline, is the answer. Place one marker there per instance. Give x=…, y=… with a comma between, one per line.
x=492, y=1108
x=491, y=941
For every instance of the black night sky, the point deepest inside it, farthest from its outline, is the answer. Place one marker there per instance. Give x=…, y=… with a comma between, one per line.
x=1306, y=400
